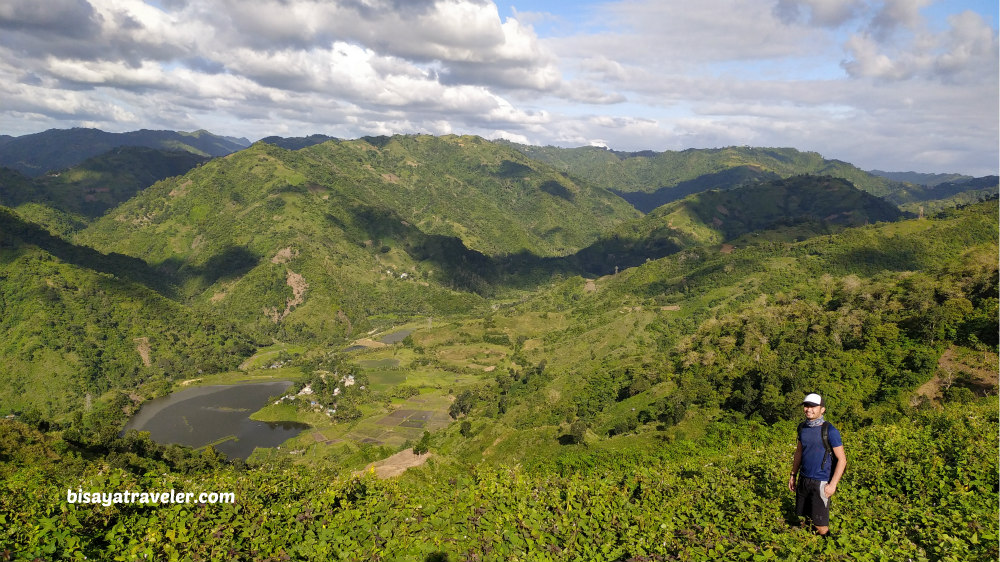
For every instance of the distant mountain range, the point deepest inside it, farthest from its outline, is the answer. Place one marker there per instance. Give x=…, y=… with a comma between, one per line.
x=649, y=179
x=57, y=149
x=98, y=183
x=917, y=178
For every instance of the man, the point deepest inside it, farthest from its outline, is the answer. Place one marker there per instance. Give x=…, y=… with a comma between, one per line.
x=821, y=465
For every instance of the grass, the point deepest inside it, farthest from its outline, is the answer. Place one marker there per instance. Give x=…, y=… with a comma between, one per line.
x=244, y=377
x=265, y=356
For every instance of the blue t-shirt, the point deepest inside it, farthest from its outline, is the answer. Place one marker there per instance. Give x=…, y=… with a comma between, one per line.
x=813, y=451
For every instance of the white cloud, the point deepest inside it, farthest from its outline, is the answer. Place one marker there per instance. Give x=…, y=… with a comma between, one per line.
x=868, y=81
x=826, y=13
x=967, y=51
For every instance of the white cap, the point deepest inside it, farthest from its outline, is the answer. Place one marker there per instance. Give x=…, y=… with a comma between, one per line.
x=813, y=400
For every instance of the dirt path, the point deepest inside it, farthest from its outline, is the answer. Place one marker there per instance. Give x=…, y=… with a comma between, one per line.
x=396, y=464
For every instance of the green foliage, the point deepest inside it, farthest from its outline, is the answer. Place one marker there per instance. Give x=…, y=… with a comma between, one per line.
x=78, y=324
x=916, y=489
x=423, y=445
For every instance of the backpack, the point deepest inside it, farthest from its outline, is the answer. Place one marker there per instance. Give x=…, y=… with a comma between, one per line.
x=825, y=433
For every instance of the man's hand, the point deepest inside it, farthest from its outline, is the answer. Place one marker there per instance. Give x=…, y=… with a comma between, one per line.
x=829, y=490
x=791, y=483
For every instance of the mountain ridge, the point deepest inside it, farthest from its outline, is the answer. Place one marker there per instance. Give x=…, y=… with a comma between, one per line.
x=56, y=149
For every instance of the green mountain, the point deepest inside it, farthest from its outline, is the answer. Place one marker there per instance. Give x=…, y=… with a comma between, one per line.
x=932, y=198
x=802, y=206
x=493, y=198
x=649, y=179
x=864, y=314
x=296, y=143
x=77, y=324
x=99, y=183
x=391, y=225
x=916, y=178
x=57, y=149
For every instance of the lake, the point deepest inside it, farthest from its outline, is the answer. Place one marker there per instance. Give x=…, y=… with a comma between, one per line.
x=203, y=415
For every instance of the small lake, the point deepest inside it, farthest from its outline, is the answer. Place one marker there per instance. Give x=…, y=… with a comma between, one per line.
x=207, y=414
x=395, y=337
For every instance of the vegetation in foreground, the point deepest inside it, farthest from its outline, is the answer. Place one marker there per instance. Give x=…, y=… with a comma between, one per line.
x=918, y=487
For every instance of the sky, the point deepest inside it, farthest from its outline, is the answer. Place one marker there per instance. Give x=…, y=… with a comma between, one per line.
x=896, y=85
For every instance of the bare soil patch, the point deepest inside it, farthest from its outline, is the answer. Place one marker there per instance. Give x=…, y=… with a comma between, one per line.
x=396, y=464
x=299, y=286
x=980, y=373
x=285, y=255
x=368, y=342
x=143, y=348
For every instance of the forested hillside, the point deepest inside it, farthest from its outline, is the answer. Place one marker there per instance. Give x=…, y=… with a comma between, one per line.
x=77, y=324
x=312, y=243
x=810, y=205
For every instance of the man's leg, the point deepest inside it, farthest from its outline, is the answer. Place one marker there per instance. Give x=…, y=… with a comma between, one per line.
x=821, y=510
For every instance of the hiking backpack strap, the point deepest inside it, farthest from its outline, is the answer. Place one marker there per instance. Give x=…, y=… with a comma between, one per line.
x=827, y=449
x=798, y=434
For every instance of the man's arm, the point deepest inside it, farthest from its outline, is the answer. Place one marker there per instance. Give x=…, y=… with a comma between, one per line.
x=796, y=461
x=831, y=487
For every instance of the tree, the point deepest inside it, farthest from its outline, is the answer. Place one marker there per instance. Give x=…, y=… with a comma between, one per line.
x=423, y=445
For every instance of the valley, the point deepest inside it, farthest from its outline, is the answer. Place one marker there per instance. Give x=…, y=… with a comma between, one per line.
x=595, y=350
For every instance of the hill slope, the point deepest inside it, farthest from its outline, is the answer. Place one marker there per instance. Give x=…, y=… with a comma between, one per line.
x=77, y=324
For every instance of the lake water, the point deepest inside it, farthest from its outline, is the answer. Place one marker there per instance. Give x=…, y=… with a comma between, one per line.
x=395, y=337
x=205, y=414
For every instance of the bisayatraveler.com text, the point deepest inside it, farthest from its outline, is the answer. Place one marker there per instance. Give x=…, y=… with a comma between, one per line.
x=149, y=498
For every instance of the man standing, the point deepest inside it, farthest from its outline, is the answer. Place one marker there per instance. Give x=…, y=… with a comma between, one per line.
x=819, y=456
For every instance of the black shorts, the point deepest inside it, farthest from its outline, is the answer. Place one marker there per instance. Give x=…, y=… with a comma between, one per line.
x=809, y=502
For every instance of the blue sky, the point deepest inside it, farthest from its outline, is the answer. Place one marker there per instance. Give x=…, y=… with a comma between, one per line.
x=888, y=84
